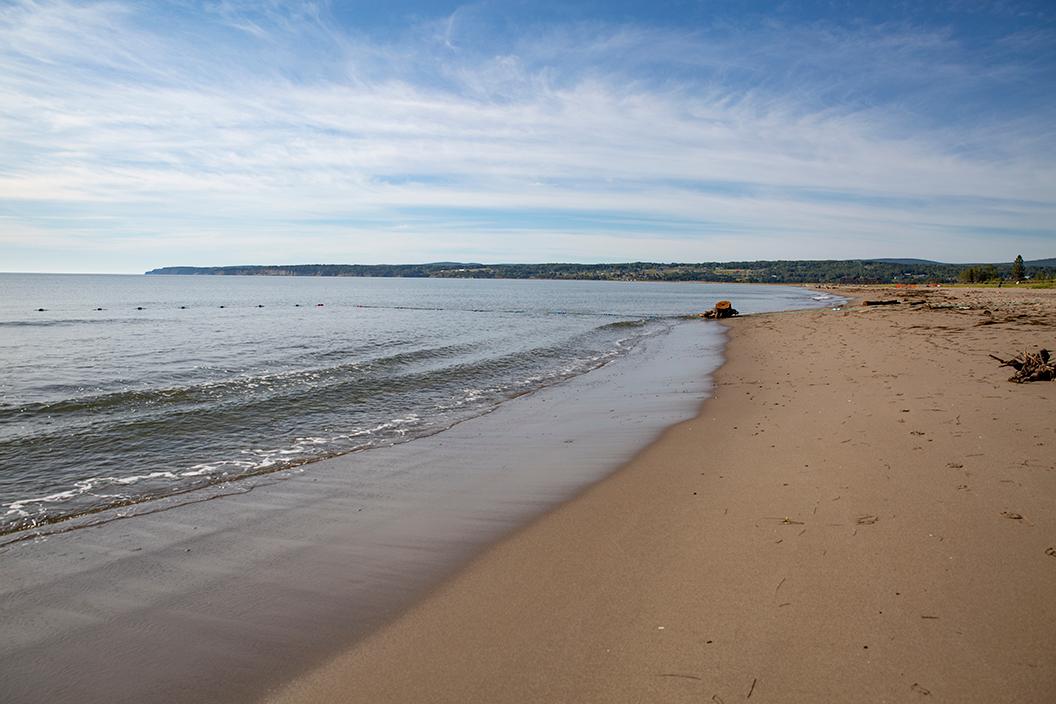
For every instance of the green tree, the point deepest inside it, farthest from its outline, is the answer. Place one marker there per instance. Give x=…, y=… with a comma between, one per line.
x=1017, y=268
x=980, y=274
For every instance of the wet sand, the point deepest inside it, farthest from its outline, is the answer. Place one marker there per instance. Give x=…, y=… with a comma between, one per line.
x=862, y=513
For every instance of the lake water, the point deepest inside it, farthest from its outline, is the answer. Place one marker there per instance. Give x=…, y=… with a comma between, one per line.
x=127, y=388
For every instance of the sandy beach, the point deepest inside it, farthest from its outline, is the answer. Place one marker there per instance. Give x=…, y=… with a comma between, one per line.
x=861, y=513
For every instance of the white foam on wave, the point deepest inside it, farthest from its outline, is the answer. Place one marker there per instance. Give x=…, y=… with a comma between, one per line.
x=91, y=485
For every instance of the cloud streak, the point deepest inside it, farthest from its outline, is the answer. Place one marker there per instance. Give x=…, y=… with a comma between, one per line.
x=242, y=136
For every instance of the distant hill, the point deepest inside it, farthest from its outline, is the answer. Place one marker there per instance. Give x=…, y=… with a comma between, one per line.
x=782, y=271
x=382, y=270
x=1031, y=262
x=904, y=261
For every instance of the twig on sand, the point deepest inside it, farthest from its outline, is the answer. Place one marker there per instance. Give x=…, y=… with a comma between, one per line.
x=752, y=688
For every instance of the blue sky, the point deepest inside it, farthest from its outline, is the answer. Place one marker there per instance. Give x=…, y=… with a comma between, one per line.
x=142, y=134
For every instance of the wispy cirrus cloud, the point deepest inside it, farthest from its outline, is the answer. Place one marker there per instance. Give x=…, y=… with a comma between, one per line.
x=235, y=132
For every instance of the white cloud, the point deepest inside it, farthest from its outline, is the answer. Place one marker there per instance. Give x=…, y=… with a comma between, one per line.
x=167, y=137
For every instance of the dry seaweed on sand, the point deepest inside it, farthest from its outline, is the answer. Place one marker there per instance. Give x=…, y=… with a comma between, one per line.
x=1030, y=366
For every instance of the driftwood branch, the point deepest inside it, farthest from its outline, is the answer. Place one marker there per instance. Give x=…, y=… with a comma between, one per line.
x=1030, y=366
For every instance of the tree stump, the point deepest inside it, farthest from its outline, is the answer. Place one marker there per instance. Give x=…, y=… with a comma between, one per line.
x=722, y=309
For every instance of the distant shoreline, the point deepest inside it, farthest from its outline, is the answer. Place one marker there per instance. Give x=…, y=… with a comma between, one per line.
x=854, y=271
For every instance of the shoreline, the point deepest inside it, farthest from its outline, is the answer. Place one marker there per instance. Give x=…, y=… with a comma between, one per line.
x=816, y=533
x=274, y=577
x=40, y=508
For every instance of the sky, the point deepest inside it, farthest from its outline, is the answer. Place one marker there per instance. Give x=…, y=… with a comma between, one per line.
x=139, y=134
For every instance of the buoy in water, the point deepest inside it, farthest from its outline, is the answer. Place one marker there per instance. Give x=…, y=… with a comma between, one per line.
x=41, y=310
x=318, y=305
x=140, y=308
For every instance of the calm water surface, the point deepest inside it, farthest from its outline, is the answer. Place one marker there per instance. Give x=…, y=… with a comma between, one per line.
x=130, y=387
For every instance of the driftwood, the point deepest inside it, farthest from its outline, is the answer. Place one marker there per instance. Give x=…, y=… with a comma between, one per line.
x=891, y=302
x=722, y=309
x=1030, y=366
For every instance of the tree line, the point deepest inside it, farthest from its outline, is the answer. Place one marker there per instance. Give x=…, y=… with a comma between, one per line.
x=1019, y=271
x=779, y=271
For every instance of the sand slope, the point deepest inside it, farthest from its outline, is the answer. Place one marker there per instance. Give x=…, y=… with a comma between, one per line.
x=863, y=513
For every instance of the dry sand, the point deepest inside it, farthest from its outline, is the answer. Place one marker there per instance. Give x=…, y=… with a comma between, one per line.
x=864, y=512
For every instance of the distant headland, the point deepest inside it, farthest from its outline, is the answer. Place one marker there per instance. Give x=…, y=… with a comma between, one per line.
x=855, y=271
